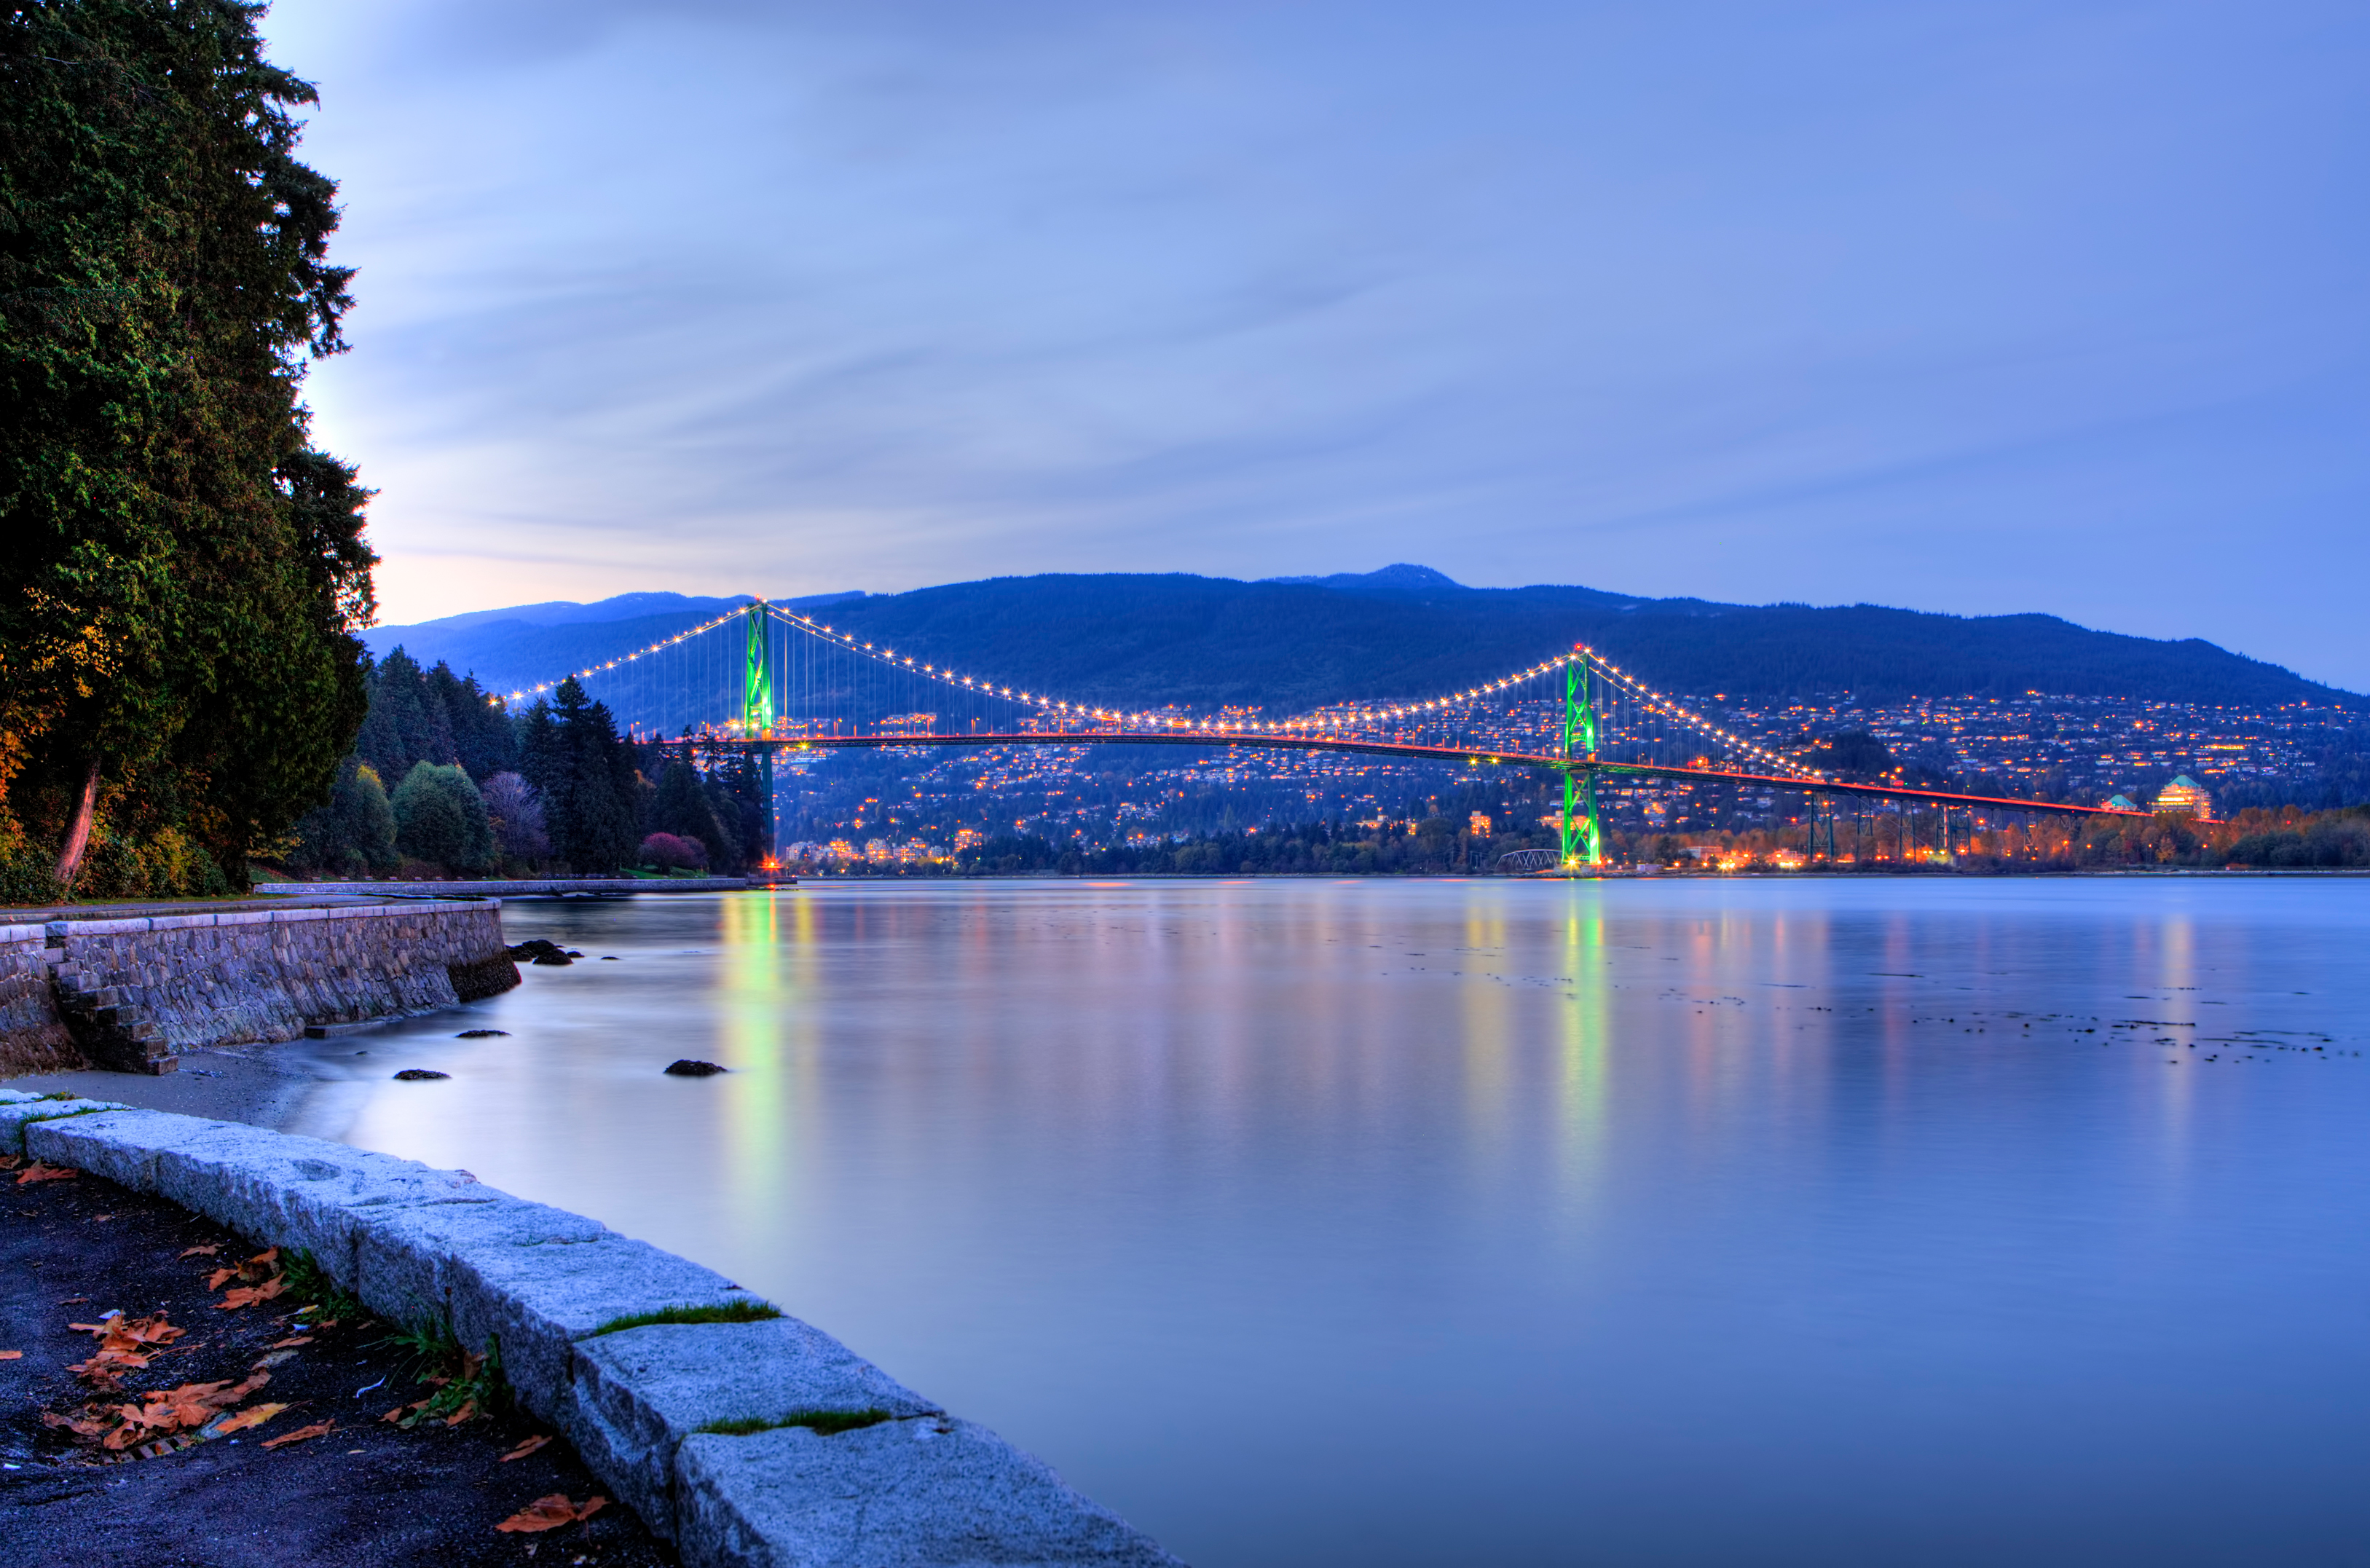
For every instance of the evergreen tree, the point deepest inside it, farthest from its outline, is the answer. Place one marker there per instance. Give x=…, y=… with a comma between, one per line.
x=572, y=755
x=407, y=723
x=184, y=573
x=354, y=834
x=480, y=729
x=681, y=809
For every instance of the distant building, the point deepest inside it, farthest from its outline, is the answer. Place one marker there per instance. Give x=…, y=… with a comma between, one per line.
x=1480, y=825
x=2184, y=797
x=2122, y=803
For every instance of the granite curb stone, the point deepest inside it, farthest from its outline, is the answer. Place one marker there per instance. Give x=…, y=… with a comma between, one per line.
x=923, y=1494
x=21, y=1111
x=641, y=1392
x=415, y=1243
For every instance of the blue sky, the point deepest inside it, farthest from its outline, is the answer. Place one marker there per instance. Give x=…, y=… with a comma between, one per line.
x=1975, y=307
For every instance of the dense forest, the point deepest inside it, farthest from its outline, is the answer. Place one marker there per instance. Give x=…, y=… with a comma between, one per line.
x=479, y=791
x=184, y=572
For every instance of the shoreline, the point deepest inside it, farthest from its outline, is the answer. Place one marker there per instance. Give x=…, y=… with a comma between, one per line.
x=267, y=1084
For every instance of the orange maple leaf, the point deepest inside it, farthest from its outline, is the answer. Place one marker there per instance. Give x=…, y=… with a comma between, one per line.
x=255, y=1416
x=37, y=1171
x=240, y=1295
x=291, y=1342
x=207, y=1250
x=151, y=1330
x=215, y=1280
x=529, y=1446
x=317, y=1429
x=109, y=1365
x=12, y=1356
x=550, y=1513
x=81, y=1428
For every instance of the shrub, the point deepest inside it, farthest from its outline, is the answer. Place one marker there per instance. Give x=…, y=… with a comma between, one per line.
x=668, y=853
x=438, y=816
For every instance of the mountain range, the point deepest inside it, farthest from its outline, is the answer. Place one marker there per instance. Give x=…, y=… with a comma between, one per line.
x=1295, y=642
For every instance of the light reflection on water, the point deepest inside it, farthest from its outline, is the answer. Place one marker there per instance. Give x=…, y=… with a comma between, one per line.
x=1667, y=1222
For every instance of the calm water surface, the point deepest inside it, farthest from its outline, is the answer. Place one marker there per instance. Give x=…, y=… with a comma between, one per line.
x=1429, y=1222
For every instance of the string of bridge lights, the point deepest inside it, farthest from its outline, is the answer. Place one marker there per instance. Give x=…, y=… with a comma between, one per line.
x=1656, y=702
x=661, y=646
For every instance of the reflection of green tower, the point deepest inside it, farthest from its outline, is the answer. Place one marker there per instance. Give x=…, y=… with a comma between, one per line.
x=1583, y=839
x=757, y=710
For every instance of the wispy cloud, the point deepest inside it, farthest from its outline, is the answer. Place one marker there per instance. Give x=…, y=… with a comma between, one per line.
x=1972, y=307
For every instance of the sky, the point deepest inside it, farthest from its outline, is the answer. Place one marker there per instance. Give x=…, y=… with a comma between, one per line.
x=1981, y=306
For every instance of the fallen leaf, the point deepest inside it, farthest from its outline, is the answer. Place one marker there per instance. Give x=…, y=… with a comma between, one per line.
x=215, y=1280
x=83, y=1428
x=151, y=1330
x=37, y=1171
x=529, y=1446
x=317, y=1429
x=109, y=1365
x=290, y=1344
x=254, y=1417
x=468, y=1408
x=240, y=1295
x=398, y=1412
x=9, y=1162
x=210, y=1250
x=12, y=1356
x=550, y=1513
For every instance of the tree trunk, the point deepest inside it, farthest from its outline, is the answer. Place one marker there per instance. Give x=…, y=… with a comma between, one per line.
x=78, y=836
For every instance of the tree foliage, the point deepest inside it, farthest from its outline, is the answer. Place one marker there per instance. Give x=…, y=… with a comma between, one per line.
x=184, y=573
x=570, y=752
x=441, y=818
x=353, y=835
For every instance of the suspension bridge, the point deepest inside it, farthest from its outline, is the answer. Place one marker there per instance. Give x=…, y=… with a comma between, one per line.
x=773, y=682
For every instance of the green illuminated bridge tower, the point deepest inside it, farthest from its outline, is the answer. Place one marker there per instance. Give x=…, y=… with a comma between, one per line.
x=1583, y=838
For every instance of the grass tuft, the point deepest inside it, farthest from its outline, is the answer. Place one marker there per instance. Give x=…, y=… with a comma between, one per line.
x=309, y=1283
x=729, y=1312
x=821, y=1422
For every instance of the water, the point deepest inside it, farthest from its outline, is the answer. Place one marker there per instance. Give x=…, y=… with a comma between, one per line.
x=1419, y=1223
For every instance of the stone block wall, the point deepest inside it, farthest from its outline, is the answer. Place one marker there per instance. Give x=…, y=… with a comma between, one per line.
x=129, y=994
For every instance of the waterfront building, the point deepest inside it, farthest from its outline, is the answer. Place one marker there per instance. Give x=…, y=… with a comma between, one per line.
x=2185, y=797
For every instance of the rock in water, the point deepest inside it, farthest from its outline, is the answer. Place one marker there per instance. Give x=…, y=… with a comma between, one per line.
x=480, y=1033
x=418, y=1075
x=689, y=1068
x=537, y=951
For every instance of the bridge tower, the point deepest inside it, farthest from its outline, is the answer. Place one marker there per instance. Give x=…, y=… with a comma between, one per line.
x=757, y=714
x=1583, y=837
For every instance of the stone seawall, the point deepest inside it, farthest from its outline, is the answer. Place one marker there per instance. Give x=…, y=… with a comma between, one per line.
x=130, y=994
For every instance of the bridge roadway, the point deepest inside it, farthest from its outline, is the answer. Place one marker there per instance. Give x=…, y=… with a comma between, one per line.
x=1408, y=752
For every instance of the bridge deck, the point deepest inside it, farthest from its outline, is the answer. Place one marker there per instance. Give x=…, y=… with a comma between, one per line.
x=1409, y=752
